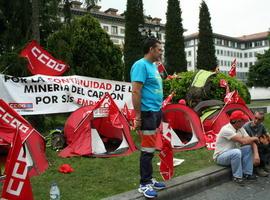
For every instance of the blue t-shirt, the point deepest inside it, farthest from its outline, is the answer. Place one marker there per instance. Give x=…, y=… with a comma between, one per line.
x=146, y=72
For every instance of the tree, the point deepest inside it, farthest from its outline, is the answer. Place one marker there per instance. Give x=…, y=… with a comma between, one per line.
x=206, y=58
x=88, y=49
x=49, y=19
x=133, y=39
x=175, y=57
x=259, y=73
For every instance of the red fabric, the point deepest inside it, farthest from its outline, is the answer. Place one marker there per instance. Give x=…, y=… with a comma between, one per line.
x=9, y=121
x=114, y=115
x=232, y=71
x=166, y=158
x=223, y=83
x=182, y=101
x=148, y=141
x=78, y=129
x=160, y=67
x=233, y=97
x=213, y=124
x=181, y=117
x=168, y=100
x=17, y=184
x=238, y=115
x=65, y=169
x=41, y=62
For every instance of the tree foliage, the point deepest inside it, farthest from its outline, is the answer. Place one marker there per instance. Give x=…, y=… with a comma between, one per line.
x=16, y=20
x=88, y=49
x=133, y=38
x=206, y=58
x=175, y=57
x=259, y=73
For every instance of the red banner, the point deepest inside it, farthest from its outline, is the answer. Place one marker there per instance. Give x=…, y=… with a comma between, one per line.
x=17, y=185
x=41, y=62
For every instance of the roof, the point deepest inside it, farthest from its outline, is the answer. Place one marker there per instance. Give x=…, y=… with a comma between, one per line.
x=244, y=38
x=255, y=36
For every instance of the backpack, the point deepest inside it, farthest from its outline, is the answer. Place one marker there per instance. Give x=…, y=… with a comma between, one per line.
x=56, y=139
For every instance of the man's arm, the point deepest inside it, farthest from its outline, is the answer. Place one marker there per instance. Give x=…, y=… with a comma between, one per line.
x=136, y=100
x=256, y=157
x=252, y=141
x=244, y=140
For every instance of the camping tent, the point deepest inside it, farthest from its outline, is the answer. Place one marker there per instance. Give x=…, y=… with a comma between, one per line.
x=33, y=141
x=214, y=119
x=185, y=127
x=100, y=130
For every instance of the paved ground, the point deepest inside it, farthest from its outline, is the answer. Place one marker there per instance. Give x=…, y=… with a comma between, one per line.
x=258, y=190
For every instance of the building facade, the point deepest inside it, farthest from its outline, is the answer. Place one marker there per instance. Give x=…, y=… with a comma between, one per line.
x=244, y=49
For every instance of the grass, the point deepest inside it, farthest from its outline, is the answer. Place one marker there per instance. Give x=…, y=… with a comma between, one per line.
x=259, y=103
x=96, y=178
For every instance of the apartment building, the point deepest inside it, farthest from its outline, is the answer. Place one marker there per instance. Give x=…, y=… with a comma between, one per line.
x=244, y=49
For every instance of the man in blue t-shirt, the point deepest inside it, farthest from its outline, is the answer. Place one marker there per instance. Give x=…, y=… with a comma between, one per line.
x=147, y=97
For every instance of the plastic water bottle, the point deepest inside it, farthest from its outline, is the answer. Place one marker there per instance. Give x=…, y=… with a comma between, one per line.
x=54, y=192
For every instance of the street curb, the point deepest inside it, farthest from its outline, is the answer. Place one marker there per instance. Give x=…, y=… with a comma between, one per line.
x=184, y=186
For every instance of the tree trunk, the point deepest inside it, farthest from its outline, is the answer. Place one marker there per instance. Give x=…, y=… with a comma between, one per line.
x=35, y=20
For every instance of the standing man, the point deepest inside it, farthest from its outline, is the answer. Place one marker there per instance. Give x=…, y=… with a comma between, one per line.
x=235, y=148
x=147, y=97
x=256, y=128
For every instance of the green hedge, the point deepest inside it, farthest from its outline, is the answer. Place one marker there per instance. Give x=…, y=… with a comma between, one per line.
x=181, y=85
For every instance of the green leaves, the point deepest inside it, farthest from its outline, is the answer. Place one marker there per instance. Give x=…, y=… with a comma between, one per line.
x=182, y=84
x=259, y=73
x=206, y=58
x=87, y=48
x=175, y=57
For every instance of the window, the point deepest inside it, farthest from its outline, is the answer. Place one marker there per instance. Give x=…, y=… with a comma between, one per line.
x=250, y=54
x=114, y=30
x=246, y=64
x=245, y=55
x=189, y=53
x=250, y=64
x=217, y=51
x=106, y=28
x=241, y=64
x=122, y=31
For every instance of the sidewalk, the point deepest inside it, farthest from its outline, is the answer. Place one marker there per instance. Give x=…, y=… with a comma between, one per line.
x=184, y=186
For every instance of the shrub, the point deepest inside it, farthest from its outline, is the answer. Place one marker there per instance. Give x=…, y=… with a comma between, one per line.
x=181, y=85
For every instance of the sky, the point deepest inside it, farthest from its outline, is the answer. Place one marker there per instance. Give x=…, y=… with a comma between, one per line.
x=228, y=17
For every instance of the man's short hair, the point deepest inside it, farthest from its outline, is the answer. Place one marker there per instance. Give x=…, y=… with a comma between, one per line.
x=148, y=43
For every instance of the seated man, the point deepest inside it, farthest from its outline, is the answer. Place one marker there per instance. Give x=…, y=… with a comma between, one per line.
x=256, y=128
x=234, y=148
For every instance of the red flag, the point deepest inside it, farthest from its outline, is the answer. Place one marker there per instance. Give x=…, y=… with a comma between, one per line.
x=168, y=100
x=17, y=185
x=41, y=62
x=166, y=158
x=233, y=97
x=223, y=83
x=160, y=67
x=232, y=71
x=10, y=120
